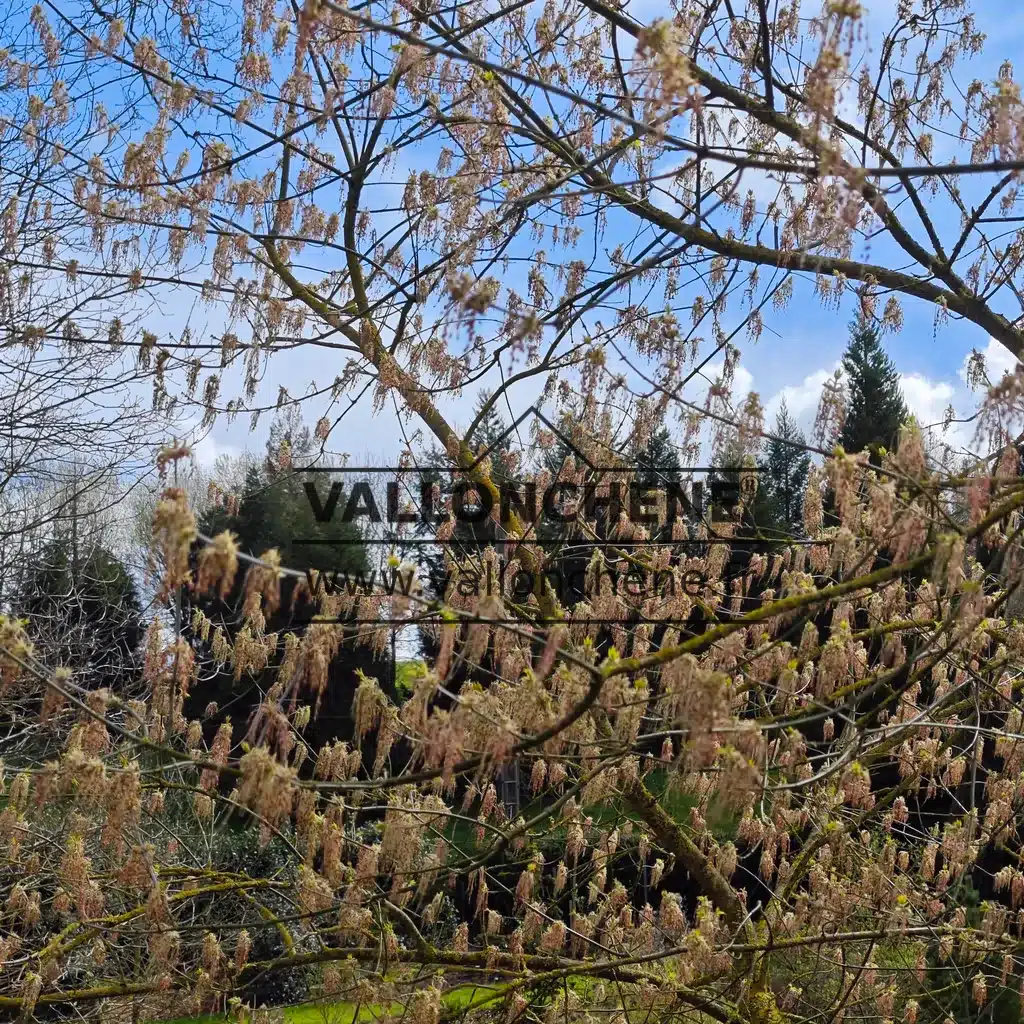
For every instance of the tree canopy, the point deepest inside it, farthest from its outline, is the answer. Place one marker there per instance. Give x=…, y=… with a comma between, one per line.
x=775, y=774
x=274, y=513
x=875, y=409
x=783, y=472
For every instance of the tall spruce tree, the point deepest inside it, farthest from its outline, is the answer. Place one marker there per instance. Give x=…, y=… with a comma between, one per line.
x=276, y=512
x=468, y=539
x=757, y=517
x=658, y=461
x=83, y=609
x=875, y=408
x=490, y=436
x=658, y=467
x=784, y=471
x=488, y=439
x=755, y=526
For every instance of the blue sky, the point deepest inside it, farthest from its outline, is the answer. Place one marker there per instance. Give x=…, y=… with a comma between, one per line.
x=798, y=349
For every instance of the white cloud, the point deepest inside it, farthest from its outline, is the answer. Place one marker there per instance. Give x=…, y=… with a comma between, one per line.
x=742, y=382
x=742, y=385
x=801, y=399
x=207, y=450
x=998, y=361
x=927, y=399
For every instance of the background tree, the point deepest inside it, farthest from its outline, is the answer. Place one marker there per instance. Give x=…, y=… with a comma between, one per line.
x=273, y=512
x=70, y=571
x=459, y=555
x=659, y=468
x=783, y=471
x=538, y=239
x=658, y=461
x=489, y=432
x=84, y=610
x=84, y=616
x=875, y=409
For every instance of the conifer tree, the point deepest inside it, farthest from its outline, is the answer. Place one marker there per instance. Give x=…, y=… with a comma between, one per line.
x=83, y=606
x=488, y=439
x=658, y=461
x=784, y=470
x=490, y=435
x=758, y=514
x=658, y=465
x=875, y=407
x=276, y=513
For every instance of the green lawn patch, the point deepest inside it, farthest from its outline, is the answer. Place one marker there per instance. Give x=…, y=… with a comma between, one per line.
x=345, y=1013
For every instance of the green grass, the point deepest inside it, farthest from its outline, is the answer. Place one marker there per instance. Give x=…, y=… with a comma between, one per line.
x=345, y=1013
x=406, y=675
x=677, y=804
